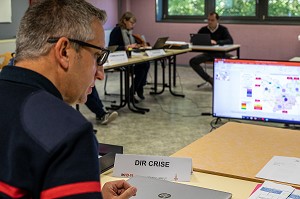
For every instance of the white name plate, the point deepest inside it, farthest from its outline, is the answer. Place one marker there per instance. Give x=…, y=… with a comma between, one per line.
x=161, y=167
x=153, y=53
x=117, y=57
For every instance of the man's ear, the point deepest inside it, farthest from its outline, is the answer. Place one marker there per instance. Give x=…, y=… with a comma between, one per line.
x=62, y=48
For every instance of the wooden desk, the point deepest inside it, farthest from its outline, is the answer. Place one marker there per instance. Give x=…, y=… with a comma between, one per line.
x=241, y=150
x=127, y=69
x=220, y=49
x=240, y=189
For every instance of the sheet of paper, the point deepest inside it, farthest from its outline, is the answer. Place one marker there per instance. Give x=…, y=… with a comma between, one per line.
x=295, y=194
x=117, y=57
x=283, y=169
x=154, y=53
x=272, y=190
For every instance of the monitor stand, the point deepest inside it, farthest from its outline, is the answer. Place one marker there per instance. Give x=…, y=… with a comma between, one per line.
x=292, y=126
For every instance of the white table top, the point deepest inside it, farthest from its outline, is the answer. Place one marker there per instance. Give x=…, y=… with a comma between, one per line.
x=216, y=47
x=295, y=59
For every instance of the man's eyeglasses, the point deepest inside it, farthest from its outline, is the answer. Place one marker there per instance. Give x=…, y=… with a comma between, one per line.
x=102, y=57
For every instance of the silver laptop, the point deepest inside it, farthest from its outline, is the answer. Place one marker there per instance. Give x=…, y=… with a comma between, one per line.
x=160, y=43
x=201, y=39
x=151, y=188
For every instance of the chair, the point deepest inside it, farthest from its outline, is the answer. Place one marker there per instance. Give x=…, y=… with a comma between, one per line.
x=206, y=64
x=105, y=80
x=210, y=63
x=105, y=84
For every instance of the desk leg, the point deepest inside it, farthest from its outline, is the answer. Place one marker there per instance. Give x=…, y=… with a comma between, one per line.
x=163, y=67
x=238, y=53
x=155, y=77
x=129, y=94
x=122, y=100
x=174, y=71
x=172, y=64
x=125, y=98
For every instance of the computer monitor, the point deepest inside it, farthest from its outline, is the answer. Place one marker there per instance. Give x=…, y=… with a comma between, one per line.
x=260, y=90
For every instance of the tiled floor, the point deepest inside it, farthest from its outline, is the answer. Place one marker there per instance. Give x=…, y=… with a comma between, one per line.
x=172, y=123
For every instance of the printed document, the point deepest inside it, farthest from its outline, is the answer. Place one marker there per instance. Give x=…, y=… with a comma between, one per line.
x=283, y=169
x=272, y=190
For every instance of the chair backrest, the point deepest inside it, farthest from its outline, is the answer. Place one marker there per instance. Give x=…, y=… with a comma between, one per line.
x=4, y=59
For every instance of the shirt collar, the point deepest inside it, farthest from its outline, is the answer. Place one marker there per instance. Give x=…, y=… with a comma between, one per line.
x=213, y=30
x=28, y=77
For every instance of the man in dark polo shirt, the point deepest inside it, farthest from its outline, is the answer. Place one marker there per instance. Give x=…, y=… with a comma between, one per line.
x=219, y=36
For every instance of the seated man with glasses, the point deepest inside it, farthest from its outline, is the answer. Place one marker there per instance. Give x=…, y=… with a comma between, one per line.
x=93, y=101
x=48, y=149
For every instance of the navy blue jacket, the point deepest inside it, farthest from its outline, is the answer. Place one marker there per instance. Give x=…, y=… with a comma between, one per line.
x=47, y=148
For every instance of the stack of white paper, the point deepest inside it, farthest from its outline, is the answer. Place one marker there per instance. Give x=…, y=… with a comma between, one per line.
x=283, y=169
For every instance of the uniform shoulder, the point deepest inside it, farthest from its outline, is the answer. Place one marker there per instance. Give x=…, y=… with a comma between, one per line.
x=50, y=120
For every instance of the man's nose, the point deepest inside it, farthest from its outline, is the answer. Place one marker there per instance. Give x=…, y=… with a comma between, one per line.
x=100, y=73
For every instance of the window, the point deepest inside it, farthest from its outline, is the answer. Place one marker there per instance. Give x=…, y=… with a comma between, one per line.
x=231, y=11
x=236, y=7
x=186, y=7
x=284, y=8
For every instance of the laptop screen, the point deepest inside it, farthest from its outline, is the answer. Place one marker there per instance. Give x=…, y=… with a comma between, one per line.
x=160, y=43
x=201, y=39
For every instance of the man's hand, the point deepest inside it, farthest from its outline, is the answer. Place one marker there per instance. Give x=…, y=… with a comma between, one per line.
x=213, y=42
x=133, y=46
x=119, y=189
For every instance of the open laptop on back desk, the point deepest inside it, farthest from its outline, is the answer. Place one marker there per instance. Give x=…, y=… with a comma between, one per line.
x=200, y=39
x=159, y=44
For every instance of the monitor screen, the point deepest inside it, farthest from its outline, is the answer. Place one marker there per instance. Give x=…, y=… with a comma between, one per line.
x=257, y=90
